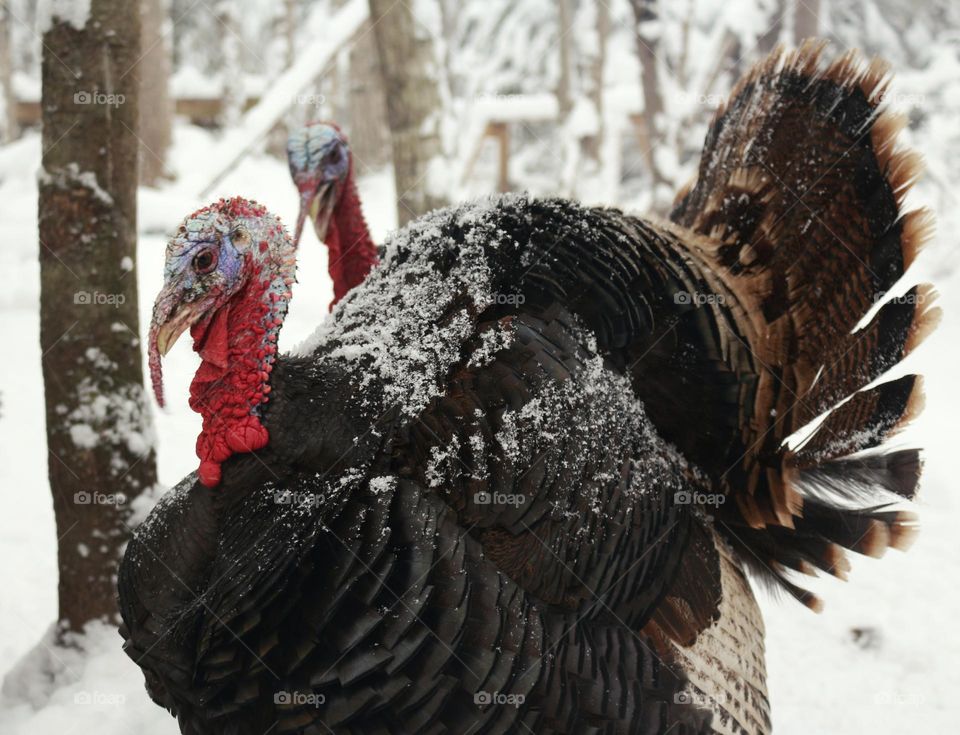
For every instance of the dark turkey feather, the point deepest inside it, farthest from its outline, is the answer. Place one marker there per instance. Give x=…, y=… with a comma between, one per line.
x=513, y=480
x=799, y=192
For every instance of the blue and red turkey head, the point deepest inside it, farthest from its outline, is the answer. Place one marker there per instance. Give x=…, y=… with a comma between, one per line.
x=321, y=165
x=227, y=278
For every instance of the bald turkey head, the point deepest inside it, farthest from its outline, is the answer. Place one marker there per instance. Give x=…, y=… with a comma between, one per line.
x=321, y=165
x=227, y=279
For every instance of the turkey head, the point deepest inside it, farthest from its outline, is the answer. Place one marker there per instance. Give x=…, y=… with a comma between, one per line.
x=321, y=165
x=227, y=279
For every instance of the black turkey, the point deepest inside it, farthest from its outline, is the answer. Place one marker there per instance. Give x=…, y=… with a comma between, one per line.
x=510, y=484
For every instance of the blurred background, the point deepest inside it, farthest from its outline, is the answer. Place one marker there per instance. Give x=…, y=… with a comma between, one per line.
x=604, y=101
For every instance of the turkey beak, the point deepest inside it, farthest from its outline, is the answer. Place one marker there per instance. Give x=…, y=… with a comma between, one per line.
x=165, y=335
x=171, y=318
x=318, y=206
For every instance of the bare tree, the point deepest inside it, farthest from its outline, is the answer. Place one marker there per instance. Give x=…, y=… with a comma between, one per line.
x=806, y=19
x=369, y=135
x=407, y=68
x=596, y=62
x=564, y=79
x=289, y=32
x=8, y=103
x=99, y=432
x=645, y=16
x=156, y=107
x=231, y=68
x=771, y=36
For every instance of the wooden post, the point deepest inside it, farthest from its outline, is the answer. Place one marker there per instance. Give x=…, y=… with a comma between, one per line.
x=501, y=131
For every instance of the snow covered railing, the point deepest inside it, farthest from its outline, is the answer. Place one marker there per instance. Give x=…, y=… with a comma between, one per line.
x=489, y=116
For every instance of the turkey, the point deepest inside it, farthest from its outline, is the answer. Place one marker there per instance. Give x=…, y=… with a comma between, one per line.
x=512, y=483
x=322, y=169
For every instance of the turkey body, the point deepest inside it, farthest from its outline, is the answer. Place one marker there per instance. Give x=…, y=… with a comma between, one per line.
x=465, y=518
x=512, y=481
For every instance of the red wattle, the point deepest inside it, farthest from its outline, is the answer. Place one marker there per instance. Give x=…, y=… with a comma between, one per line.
x=212, y=345
x=231, y=382
x=352, y=252
x=209, y=473
x=247, y=435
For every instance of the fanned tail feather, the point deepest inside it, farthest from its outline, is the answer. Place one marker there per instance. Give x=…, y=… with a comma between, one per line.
x=799, y=198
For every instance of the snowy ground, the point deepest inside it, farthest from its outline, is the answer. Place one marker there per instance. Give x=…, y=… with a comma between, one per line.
x=821, y=679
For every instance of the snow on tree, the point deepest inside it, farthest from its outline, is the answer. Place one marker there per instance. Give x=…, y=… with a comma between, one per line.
x=99, y=429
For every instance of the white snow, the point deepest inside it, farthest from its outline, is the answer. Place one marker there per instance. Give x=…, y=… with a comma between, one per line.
x=382, y=484
x=898, y=674
x=101, y=673
x=70, y=175
x=74, y=12
x=282, y=92
x=391, y=332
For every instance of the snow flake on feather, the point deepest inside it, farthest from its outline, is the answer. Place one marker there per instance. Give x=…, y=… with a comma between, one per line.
x=493, y=339
x=444, y=463
x=407, y=325
x=382, y=484
x=478, y=452
x=612, y=425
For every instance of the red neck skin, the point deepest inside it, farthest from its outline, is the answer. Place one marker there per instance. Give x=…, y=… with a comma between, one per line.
x=351, y=250
x=237, y=346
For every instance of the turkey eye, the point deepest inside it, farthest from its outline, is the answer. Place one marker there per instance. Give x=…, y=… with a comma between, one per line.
x=335, y=155
x=204, y=261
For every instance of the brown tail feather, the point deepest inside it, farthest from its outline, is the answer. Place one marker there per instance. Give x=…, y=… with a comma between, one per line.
x=799, y=204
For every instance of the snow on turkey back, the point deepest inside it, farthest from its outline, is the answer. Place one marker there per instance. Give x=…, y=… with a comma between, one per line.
x=413, y=322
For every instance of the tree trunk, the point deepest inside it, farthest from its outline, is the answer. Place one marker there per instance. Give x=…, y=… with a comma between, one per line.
x=449, y=17
x=233, y=94
x=99, y=432
x=289, y=32
x=156, y=108
x=413, y=109
x=369, y=135
x=8, y=103
x=806, y=21
x=771, y=37
x=592, y=144
x=564, y=79
x=645, y=16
